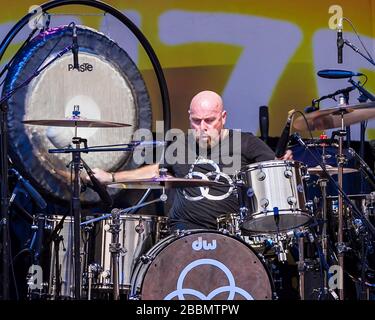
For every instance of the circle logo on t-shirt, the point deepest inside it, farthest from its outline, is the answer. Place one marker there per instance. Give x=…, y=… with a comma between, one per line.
x=214, y=175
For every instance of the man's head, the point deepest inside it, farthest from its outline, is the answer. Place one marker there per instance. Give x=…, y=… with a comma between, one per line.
x=207, y=117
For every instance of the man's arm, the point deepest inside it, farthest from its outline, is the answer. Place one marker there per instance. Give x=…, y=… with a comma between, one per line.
x=145, y=172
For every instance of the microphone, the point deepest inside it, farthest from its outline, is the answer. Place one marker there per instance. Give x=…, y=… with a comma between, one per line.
x=98, y=187
x=312, y=108
x=75, y=48
x=337, y=74
x=30, y=189
x=61, y=138
x=340, y=41
x=284, y=138
x=263, y=123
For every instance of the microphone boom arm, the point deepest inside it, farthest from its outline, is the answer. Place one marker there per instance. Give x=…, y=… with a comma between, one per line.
x=352, y=46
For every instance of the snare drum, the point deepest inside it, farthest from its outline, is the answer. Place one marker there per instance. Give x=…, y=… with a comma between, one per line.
x=203, y=265
x=275, y=196
x=138, y=233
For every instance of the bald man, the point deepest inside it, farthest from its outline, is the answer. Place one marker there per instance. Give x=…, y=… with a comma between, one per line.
x=199, y=208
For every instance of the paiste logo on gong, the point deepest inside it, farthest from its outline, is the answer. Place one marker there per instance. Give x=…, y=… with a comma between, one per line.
x=84, y=67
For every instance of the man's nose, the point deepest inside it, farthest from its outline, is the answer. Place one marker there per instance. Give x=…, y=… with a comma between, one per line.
x=203, y=125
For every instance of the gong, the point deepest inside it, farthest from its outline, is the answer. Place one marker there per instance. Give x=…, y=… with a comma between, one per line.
x=108, y=86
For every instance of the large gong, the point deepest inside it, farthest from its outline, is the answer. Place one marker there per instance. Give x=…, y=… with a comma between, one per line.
x=108, y=86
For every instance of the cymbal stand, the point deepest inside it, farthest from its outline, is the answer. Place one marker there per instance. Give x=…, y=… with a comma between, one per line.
x=341, y=247
x=322, y=182
x=301, y=264
x=76, y=210
x=115, y=249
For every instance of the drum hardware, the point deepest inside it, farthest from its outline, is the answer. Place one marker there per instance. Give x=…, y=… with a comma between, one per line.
x=167, y=182
x=4, y=169
x=122, y=211
x=301, y=265
x=341, y=247
x=229, y=224
x=75, y=121
x=133, y=242
x=281, y=252
x=114, y=249
x=364, y=168
x=239, y=187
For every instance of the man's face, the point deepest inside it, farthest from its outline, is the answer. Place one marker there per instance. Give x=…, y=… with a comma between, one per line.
x=207, y=118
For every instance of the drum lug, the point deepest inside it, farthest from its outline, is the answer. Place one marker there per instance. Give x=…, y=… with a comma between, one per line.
x=292, y=200
x=146, y=259
x=140, y=227
x=261, y=175
x=309, y=206
x=180, y=233
x=288, y=173
x=264, y=203
x=243, y=214
x=105, y=274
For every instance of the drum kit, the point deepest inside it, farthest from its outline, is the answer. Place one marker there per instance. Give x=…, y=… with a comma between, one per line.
x=132, y=256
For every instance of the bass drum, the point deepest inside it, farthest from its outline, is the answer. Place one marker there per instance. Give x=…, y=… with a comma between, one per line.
x=201, y=265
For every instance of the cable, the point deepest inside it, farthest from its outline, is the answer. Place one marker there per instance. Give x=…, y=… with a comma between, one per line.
x=12, y=269
x=356, y=212
x=307, y=123
x=359, y=38
x=364, y=75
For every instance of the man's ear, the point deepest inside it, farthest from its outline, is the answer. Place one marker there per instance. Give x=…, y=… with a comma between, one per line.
x=224, y=116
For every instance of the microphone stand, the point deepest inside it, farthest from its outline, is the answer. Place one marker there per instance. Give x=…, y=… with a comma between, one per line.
x=4, y=222
x=363, y=98
x=341, y=247
x=352, y=46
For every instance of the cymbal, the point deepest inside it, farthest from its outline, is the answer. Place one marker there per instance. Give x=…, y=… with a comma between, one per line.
x=76, y=122
x=167, y=182
x=331, y=118
x=331, y=170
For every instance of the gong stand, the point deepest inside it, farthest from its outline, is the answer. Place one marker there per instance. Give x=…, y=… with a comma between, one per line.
x=4, y=171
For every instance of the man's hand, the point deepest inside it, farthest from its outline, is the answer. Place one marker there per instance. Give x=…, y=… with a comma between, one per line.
x=288, y=155
x=103, y=176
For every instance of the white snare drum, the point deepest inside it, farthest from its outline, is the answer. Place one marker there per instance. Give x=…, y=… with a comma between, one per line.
x=275, y=196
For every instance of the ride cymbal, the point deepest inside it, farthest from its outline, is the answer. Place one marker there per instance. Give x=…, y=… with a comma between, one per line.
x=331, y=118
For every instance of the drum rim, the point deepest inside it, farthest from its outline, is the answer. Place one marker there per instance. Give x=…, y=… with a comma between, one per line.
x=140, y=217
x=271, y=164
x=180, y=235
x=303, y=213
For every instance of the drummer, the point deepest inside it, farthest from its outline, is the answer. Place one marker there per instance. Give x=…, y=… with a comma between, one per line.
x=198, y=208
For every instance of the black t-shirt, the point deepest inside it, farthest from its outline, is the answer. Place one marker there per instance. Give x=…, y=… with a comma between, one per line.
x=196, y=208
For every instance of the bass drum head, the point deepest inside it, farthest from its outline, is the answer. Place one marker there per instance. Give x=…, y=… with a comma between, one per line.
x=203, y=265
x=108, y=87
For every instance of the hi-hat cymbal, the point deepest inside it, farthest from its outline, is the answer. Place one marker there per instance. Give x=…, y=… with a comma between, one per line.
x=167, y=182
x=331, y=118
x=76, y=122
x=331, y=170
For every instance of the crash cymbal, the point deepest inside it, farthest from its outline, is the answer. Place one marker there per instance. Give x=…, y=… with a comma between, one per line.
x=331, y=170
x=76, y=122
x=331, y=118
x=167, y=182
